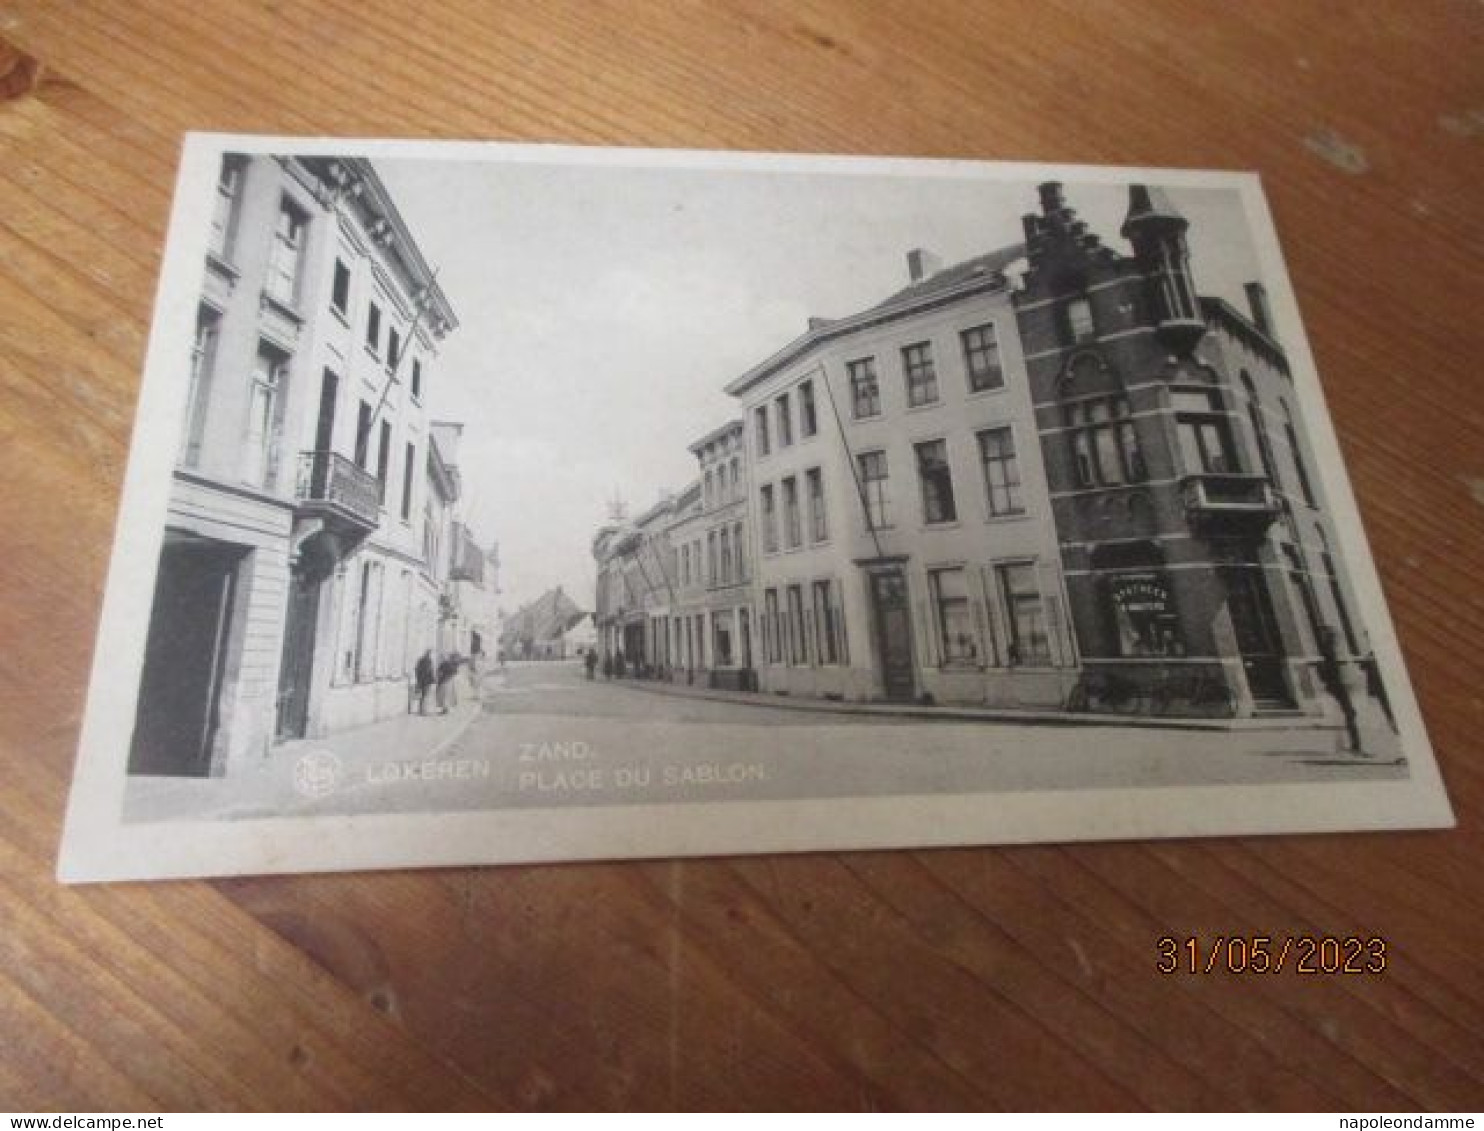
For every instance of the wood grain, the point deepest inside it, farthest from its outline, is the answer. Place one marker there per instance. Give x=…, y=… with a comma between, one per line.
x=995, y=978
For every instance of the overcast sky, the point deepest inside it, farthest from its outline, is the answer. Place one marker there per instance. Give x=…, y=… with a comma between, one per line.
x=603, y=309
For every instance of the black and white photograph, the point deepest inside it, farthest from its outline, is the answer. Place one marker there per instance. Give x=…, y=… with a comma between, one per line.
x=497, y=503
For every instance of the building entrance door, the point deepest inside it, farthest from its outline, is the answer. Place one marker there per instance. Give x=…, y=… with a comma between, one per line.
x=298, y=656
x=186, y=657
x=1257, y=637
x=893, y=634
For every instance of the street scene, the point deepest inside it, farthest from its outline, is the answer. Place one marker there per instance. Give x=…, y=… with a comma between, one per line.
x=1035, y=508
x=542, y=735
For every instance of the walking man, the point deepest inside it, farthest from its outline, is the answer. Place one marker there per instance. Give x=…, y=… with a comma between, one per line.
x=422, y=673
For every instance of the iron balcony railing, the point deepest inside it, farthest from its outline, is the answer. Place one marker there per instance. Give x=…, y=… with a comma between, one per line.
x=330, y=478
x=466, y=562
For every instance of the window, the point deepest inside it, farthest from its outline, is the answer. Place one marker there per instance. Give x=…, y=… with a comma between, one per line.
x=1260, y=432
x=706, y=490
x=721, y=639
x=340, y=289
x=287, y=253
x=383, y=459
x=1079, y=326
x=363, y=435
x=1205, y=438
x=793, y=530
x=1298, y=456
x=203, y=358
x=760, y=428
x=865, y=390
x=982, y=359
x=264, y=417
x=826, y=640
x=393, y=347
x=417, y=379
x=873, y=488
x=373, y=329
x=736, y=477
x=819, y=526
x=808, y=417
x=1105, y=443
x=407, y=472
x=1029, y=644
x=770, y=521
x=711, y=572
x=950, y=592
x=773, y=641
x=724, y=542
x=363, y=606
x=1001, y=471
x=228, y=198
x=798, y=648
x=785, y=421
x=741, y=563
x=937, y=482
x=922, y=377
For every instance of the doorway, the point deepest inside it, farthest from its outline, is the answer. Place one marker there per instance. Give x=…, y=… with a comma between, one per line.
x=893, y=634
x=192, y=637
x=296, y=670
x=1257, y=636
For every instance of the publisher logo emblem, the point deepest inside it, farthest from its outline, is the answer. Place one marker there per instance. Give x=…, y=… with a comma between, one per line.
x=317, y=773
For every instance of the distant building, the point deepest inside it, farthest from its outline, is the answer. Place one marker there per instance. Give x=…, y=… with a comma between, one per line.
x=637, y=596
x=295, y=587
x=1051, y=476
x=544, y=629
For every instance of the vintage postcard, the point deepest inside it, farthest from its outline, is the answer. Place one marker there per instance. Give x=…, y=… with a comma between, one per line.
x=495, y=503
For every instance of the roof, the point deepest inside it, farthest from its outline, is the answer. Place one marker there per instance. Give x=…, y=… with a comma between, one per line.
x=378, y=202
x=545, y=618
x=716, y=434
x=981, y=272
x=990, y=263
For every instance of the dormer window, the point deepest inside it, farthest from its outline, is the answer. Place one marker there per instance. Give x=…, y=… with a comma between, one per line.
x=1078, y=324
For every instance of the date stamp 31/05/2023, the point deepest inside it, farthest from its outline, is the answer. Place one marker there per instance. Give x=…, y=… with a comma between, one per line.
x=1272, y=954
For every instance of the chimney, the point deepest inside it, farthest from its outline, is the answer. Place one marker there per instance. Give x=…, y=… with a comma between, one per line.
x=1051, y=197
x=1257, y=299
x=921, y=263
x=816, y=323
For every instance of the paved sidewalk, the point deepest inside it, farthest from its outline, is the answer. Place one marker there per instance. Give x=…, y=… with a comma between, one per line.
x=297, y=774
x=957, y=713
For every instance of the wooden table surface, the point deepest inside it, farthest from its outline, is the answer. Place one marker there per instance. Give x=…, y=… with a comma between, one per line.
x=992, y=978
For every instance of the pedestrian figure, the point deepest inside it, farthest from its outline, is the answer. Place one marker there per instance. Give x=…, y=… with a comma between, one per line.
x=590, y=662
x=607, y=666
x=448, y=668
x=423, y=676
x=618, y=664
x=1333, y=676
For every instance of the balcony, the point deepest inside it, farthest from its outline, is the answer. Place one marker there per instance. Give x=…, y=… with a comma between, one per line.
x=1236, y=504
x=332, y=487
x=466, y=559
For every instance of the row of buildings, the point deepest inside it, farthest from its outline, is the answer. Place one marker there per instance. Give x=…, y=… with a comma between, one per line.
x=1052, y=476
x=313, y=545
